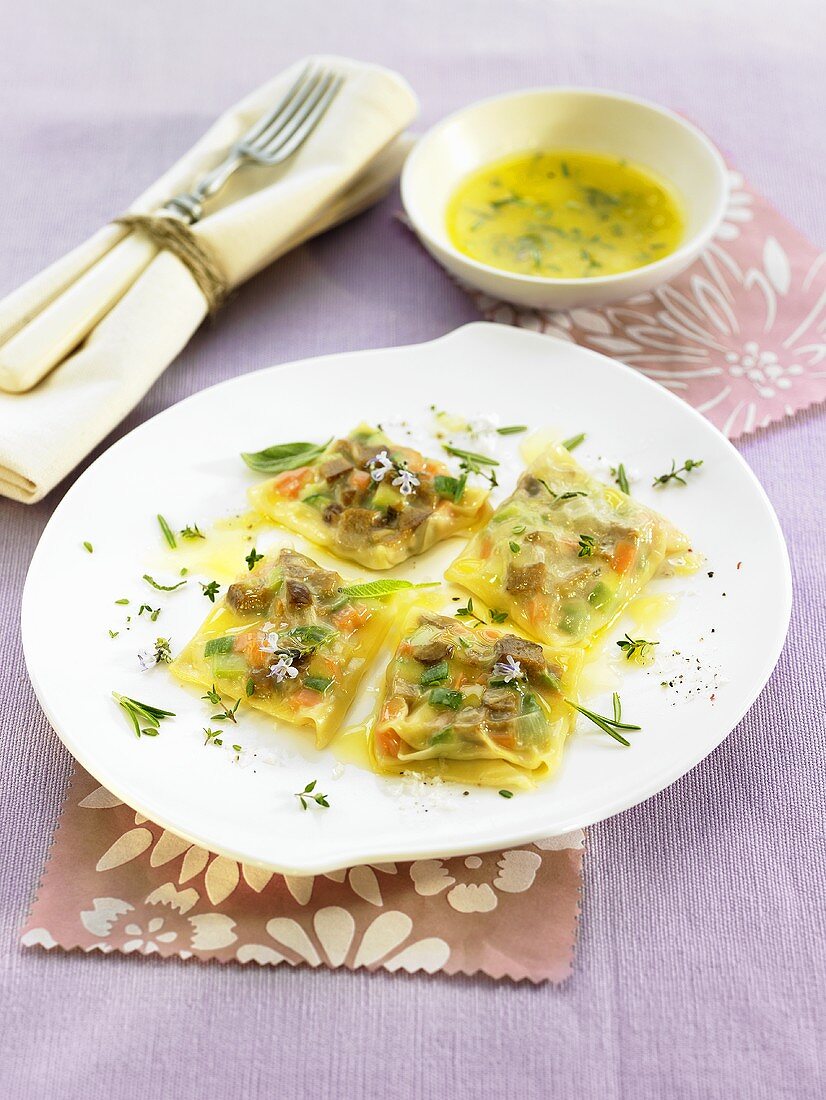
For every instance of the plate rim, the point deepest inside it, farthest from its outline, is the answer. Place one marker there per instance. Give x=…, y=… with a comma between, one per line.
x=365, y=853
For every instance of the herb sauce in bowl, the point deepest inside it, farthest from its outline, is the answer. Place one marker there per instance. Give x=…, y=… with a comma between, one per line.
x=566, y=215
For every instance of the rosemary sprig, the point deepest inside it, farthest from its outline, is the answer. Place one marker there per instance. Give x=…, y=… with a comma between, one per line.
x=252, y=558
x=675, y=474
x=307, y=796
x=611, y=726
x=470, y=456
x=561, y=496
x=162, y=587
x=635, y=648
x=619, y=475
x=572, y=443
x=512, y=429
x=227, y=715
x=167, y=532
x=210, y=590
x=145, y=718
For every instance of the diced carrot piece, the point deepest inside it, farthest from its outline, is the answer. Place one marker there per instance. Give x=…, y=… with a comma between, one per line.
x=350, y=618
x=625, y=554
x=359, y=480
x=249, y=643
x=394, y=708
x=388, y=742
x=304, y=698
x=537, y=609
x=486, y=546
x=433, y=467
x=291, y=482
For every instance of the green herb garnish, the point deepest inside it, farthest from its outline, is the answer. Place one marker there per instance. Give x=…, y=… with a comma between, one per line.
x=210, y=590
x=192, y=531
x=122, y=601
x=467, y=612
x=219, y=645
x=470, y=456
x=252, y=558
x=307, y=795
x=162, y=587
x=153, y=612
x=318, y=683
x=88, y=547
x=451, y=488
x=513, y=429
x=163, y=652
x=284, y=456
x=114, y=633
x=611, y=726
x=212, y=737
x=506, y=794
x=621, y=478
x=167, y=532
x=227, y=714
x=498, y=616
x=587, y=545
x=635, y=648
x=572, y=443
x=145, y=719
x=675, y=475
x=377, y=590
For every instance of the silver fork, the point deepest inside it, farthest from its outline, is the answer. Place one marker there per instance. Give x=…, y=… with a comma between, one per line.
x=273, y=139
x=44, y=342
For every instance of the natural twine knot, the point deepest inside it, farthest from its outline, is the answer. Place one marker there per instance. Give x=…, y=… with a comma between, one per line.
x=176, y=237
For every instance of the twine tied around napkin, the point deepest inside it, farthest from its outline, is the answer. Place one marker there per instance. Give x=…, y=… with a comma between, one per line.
x=175, y=236
x=56, y=406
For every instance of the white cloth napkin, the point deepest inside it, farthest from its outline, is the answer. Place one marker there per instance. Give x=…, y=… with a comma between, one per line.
x=349, y=161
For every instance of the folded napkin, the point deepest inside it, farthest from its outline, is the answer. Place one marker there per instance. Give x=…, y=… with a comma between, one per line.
x=348, y=162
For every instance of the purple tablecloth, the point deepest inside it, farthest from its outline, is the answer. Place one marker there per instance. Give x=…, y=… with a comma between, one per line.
x=701, y=963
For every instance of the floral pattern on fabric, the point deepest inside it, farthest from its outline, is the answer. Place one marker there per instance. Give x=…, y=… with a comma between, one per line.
x=117, y=882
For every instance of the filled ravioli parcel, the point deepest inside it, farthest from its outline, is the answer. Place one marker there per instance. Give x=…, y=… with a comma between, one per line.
x=290, y=641
x=476, y=706
x=371, y=500
x=565, y=553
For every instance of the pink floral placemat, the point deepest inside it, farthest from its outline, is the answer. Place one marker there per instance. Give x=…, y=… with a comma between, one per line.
x=116, y=882
x=740, y=335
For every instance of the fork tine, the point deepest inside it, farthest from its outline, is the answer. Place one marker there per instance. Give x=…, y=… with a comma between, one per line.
x=267, y=120
x=287, y=143
x=281, y=121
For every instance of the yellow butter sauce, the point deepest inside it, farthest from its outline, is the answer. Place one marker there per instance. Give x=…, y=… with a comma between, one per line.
x=565, y=214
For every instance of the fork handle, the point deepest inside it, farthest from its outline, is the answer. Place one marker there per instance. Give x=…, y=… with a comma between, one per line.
x=58, y=329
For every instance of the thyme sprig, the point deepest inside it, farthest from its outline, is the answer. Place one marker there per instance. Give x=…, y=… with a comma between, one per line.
x=153, y=612
x=611, y=726
x=675, y=474
x=252, y=558
x=635, y=648
x=574, y=441
x=227, y=714
x=473, y=463
x=467, y=612
x=145, y=718
x=587, y=545
x=192, y=531
x=210, y=590
x=309, y=794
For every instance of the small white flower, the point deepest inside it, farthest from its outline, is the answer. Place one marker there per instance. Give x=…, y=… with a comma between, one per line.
x=270, y=643
x=407, y=482
x=380, y=465
x=508, y=669
x=146, y=660
x=283, y=668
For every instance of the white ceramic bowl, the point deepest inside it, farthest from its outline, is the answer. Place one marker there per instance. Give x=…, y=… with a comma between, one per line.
x=564, y=118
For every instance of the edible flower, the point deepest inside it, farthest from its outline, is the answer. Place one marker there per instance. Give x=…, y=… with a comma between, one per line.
x=508, y=669
x=270, y=643
x=406, y=481
x=283, y=668
x=380, y=465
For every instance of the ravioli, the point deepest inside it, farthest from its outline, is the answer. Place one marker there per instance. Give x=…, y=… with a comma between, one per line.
x=475, y=706
x=371, y=500
x=565, y=554
x=289, y=641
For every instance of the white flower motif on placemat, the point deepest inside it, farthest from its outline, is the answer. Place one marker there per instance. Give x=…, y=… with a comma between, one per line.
x=362, y=880
x=160, y=920
x=738, y=209
x=222, y=875
x=475, y=893
x=335, y=939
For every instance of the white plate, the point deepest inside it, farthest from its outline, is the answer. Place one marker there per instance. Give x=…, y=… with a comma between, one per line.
x=728, y=629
